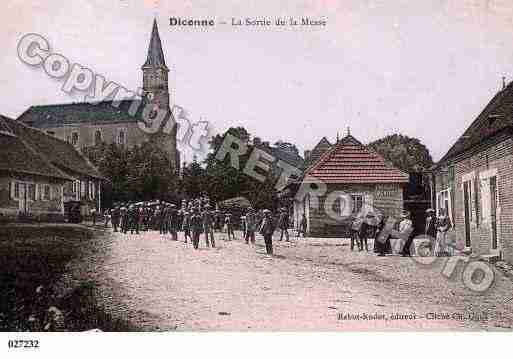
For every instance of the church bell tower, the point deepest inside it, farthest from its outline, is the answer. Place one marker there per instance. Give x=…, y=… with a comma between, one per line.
x=156, y=92
x=155, y=72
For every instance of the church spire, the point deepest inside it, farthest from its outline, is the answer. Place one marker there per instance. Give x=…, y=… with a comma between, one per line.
x=155, y=56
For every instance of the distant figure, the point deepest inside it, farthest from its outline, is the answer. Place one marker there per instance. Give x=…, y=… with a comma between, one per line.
x=267, y=230
x=303, y=225
x=208, y=224
x=367, y=230
x=430, y=229
x=186, y=226
x=229, y=226
x=124, y=220
x=405, y=232
x=443, y=224
x=116, y=216
x=250, y=226
x=283, y=224
x=173, y=222
x=107, y=217
x=196, y=227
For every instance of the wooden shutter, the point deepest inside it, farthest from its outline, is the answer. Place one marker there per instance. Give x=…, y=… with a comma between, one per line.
x=346, y=205
x=368, y=202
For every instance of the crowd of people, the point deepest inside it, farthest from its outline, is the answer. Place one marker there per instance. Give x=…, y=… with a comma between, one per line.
x=370, y=225
x=196, y=218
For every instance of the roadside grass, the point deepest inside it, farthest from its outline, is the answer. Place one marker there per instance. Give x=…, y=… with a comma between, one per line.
x=32, y=260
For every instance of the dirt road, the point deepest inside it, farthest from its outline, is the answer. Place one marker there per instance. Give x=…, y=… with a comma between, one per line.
x=310, y=284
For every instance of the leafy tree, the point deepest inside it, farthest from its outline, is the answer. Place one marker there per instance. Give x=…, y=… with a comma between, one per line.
x=405, y=153
x=411, y=156
x=137, y=174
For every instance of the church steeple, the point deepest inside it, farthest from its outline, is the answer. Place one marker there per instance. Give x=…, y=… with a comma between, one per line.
x=155, y=56
x=155, y=72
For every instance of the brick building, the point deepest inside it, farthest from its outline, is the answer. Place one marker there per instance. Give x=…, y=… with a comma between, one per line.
x=87, y=124
x=39, y=174
x=474, y=181
x=362, y=177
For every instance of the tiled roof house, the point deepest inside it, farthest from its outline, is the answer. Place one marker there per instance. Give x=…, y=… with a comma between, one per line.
x=351, y=174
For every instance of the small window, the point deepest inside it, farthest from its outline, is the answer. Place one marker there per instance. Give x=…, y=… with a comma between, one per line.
x=74, y=138
x=16, y=190
x=91, y=190
x=121, y=137
x=32, y=192
x=357, y=203
x=46, y=192
x=97, y=137
x=56, y=192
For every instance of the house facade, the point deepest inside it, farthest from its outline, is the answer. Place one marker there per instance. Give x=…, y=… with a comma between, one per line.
x=39, y=174
x=473, y=182
x=356, y=180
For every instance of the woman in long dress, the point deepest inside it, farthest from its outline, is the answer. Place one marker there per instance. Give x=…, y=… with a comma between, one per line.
x=442, y=226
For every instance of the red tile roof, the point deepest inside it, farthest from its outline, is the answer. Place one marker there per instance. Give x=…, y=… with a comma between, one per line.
x=351, y=162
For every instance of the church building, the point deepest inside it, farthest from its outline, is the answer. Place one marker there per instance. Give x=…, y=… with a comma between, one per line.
x=89, y=124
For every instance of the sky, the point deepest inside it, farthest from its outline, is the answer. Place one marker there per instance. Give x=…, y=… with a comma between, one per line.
x=421, y=68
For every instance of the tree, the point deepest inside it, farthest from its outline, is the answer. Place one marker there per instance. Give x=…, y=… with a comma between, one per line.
x=140, y=173
x=405, y=153
x=411, y=156
x=194, y=180
x=226, y=182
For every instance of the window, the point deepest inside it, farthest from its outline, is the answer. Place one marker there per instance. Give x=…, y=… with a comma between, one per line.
x=121, y=137
x=444, y=203
x=91, y=190
x=32, y=192
x=56, y=192
x=16, y=190
x=357, y=203
x=74, y=138
x=46, y=192
x=97, y=137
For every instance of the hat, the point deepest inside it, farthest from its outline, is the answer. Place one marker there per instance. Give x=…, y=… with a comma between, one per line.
x=430, y=210
x=405, y=214
x=266, y=211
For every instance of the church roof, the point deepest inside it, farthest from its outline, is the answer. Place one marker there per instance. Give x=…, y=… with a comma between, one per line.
x=57, y=115
x=155, y=56
x=20, y=156
x=350, y=162
x=33, y=151
x=495, y=117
